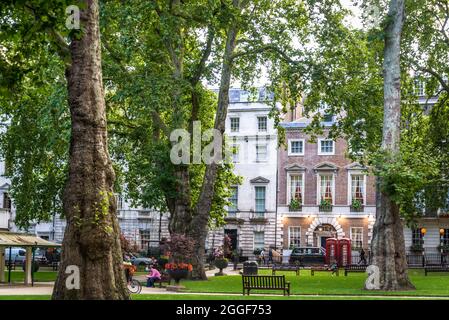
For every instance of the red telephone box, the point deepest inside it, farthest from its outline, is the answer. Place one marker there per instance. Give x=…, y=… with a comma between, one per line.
x=332, y=250
x=344, y=249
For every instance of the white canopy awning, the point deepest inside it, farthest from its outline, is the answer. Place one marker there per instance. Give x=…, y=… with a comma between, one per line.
x=12, y=239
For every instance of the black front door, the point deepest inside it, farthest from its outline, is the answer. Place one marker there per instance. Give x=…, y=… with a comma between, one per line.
x=232, y=234
x=323, y=241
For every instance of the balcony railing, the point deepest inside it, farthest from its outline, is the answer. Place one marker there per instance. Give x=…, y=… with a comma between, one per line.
x=325, y=207
x=258, y=216
x=233, y=217
x=295, y=208
x=357, y=209
x=144, y=215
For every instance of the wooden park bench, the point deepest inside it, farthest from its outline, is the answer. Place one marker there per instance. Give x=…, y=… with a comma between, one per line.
x=325, y=268
x=164, y=278
x=355, y=268
x=434, y=268
x=265, y=283
x=10, y=267
x=281, y=267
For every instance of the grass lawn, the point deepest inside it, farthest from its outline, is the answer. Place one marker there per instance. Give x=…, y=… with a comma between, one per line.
x=157, y=297
x=240, y=297
x=40, y=276
x=436, y=284
x=323, y=283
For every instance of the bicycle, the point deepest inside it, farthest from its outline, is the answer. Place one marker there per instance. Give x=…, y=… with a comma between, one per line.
x=133, y=286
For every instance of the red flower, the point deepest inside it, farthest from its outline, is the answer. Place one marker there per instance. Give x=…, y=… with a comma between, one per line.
x=178, y=266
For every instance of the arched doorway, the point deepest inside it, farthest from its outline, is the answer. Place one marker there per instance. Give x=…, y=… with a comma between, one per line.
x=323, y=232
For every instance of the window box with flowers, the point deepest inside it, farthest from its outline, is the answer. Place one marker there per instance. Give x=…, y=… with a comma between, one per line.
x=326, y=205
x=295, y=205
x=357, y=205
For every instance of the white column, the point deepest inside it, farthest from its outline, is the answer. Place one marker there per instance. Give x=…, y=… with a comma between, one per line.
x=28, y=260
x=2, y=264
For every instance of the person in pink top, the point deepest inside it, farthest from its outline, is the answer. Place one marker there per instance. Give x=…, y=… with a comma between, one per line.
x=152, y=276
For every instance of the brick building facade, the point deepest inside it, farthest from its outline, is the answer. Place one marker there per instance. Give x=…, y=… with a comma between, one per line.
x=321, y=192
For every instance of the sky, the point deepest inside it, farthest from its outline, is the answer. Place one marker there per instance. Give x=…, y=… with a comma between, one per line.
x=355, y=20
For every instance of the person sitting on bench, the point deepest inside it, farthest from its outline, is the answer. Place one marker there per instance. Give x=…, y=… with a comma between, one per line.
x=153, y=276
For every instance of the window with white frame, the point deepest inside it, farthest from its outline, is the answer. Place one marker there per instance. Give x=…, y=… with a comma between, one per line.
x=419, y=88
x=296, y=188
x=145, y=237
x=294, y=236
x=326, y=187
x=328, y=117
x=296, y=147
x=234, y=200
x=262, y=123
x=235, y=153
x=6, y=201
x=357, y=237
x=261, y=152
x=357, y=188
x=259, y=239
x=260, y=200
x=119, y=201
x=326, y=147
x=417, y=237
x=235, y=124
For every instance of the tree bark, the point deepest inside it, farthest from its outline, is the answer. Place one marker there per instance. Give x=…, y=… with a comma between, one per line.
x=181, y=213
x=92, y=235
x=388, y=246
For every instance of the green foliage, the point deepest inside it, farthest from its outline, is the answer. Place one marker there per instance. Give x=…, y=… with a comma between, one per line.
x=295, y=204
x=356, y=204
x=35, y=142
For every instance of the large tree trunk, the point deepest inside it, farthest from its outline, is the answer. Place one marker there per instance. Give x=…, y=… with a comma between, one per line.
x=91, y=239
x=388, y=246
x=198, y=227
x=181, y=213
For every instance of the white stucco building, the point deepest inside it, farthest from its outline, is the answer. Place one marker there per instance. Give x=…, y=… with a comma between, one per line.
x=5, y=202
x=251, y=221
x=140, y=226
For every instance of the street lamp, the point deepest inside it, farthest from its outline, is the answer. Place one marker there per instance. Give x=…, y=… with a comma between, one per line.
x=423, y=232
x=441, y=243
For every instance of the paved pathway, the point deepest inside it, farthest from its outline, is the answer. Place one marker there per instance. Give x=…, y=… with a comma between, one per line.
x=40, y=288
